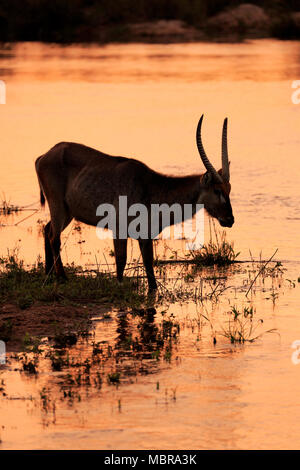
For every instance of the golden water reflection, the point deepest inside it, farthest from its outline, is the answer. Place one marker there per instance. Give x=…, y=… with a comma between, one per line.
x=145, y=101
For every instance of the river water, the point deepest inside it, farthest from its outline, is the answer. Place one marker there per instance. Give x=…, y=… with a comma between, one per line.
x=145, y=101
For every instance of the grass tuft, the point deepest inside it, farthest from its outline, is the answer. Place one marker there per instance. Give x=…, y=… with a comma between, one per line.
x=242, y=328
x=24, y=287
x=218, y=251
x=7, y=208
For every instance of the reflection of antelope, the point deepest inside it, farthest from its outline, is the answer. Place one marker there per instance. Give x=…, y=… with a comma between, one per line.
x=76, y=179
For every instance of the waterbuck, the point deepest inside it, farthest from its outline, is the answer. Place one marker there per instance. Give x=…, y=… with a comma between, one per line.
x=76, y=179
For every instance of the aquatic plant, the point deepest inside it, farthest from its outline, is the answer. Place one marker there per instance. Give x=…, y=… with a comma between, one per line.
x=242, y=328
x=218, y=251
x=7, y=208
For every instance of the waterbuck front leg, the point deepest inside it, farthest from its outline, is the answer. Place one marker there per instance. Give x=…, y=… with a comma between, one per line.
x=49, y=260
x=120, y=246
x=146, y=247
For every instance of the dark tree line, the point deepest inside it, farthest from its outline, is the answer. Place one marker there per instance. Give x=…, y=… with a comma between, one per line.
x=65, y=21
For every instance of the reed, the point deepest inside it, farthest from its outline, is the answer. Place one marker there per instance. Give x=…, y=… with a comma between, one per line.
x=242, y=327
x=6, y=208
x=218, y=251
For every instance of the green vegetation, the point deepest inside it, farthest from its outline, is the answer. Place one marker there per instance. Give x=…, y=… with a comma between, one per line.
x=113, y=378
x=30, y=364
x=25, y=287
x=242, y=328
x=219, y=254
x=218, y=251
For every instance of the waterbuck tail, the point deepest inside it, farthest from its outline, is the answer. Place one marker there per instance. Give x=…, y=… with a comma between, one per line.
x=42, y=197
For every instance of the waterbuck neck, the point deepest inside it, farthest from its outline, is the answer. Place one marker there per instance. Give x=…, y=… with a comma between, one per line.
x=177, y=190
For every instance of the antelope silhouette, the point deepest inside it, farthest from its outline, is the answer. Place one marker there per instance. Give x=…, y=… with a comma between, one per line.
x=76, y=179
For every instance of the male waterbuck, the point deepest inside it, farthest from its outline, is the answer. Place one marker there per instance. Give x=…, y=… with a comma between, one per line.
x=76, y=179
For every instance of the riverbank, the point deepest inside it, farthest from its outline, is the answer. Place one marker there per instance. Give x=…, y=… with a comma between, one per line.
x=149, y=24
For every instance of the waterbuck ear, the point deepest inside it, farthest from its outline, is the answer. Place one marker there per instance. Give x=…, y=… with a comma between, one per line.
x=220, y=171
x=207, y=179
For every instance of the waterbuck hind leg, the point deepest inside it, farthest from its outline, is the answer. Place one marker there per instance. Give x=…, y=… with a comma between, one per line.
x=56, y=227
x=49, y=260
x=120, y=246
x=146, y=247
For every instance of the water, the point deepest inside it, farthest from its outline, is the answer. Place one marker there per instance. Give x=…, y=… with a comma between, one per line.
x=145, y=101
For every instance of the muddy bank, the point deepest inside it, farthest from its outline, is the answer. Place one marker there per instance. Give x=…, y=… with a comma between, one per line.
x=19, y=328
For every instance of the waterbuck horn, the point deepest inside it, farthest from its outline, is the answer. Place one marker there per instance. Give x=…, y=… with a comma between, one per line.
x=203, y=155
x=225, y=162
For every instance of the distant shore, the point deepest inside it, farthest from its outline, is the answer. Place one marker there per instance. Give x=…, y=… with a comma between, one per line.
x=230, y=24
x=246, y=21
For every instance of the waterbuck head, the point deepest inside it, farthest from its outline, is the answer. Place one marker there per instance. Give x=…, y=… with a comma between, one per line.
x=215, y=184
